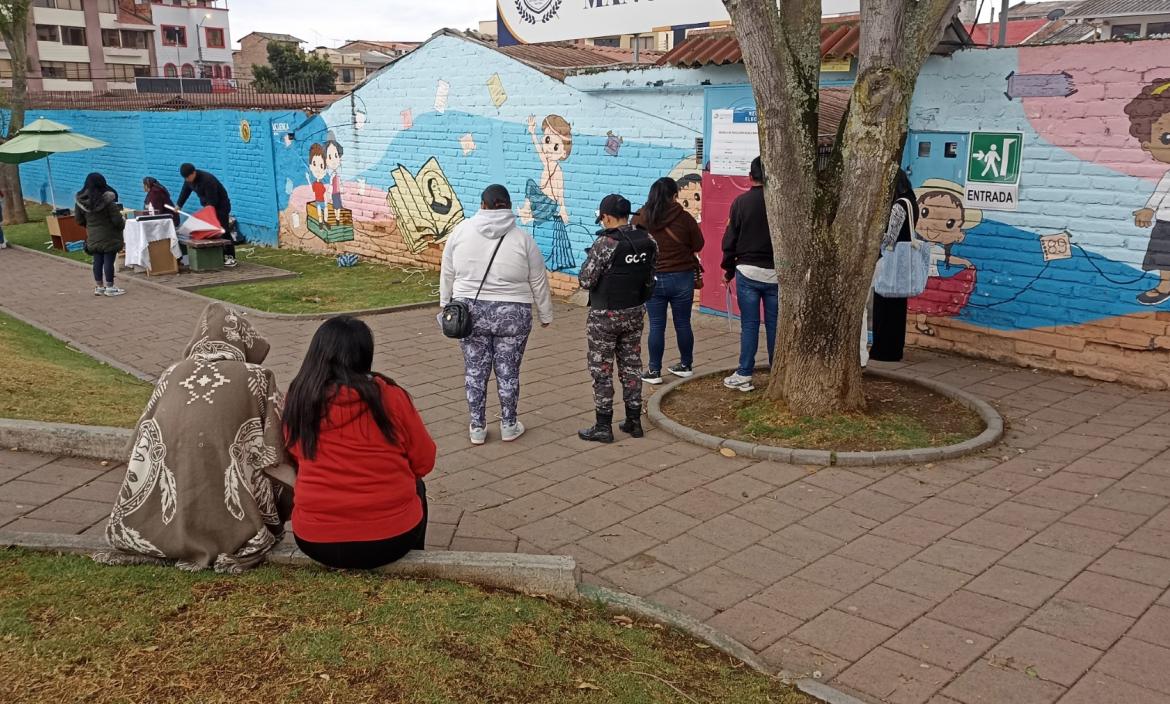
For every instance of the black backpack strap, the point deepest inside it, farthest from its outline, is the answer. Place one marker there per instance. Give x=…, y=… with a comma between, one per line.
x=489, y=266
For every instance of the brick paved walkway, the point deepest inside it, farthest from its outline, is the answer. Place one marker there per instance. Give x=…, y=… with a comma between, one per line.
x=1035, y=572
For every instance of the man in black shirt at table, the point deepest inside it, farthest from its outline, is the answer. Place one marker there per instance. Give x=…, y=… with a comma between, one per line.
x=211, y=192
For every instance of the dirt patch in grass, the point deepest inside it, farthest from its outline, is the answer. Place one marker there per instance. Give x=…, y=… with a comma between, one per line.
x=73, y=631
x=42, y=378
x=899, y=416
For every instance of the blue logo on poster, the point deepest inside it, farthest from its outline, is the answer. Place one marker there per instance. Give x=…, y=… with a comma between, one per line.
x=744, y=115
x=537, y=11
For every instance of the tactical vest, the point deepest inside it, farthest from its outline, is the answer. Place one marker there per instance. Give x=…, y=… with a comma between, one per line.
x=629, y=281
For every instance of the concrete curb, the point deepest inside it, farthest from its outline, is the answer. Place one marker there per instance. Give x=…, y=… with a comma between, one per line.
x=550, y=575
x=89, y=441
x=250, y=311
x=826, y=458
x=643, y=608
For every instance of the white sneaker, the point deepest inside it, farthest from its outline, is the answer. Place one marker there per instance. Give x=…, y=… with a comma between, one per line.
x=739, y=382
x=113, y=291
x=478, y=436
x=229, y=262
x=99, y=291
x=3, y=245
x=511, y=432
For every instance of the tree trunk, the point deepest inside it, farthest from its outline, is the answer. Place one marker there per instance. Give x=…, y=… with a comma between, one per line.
x=826, y=226
x=14, y=29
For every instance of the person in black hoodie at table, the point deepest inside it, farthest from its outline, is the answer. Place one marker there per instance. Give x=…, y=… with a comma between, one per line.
x=211, y=192
x=749, y=260
x=619, y=276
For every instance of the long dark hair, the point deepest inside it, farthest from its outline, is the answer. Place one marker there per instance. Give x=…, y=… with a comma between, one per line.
x=152, y=183
x=903, y=188
x=95, y=186
x=663, y=194
x=340, y=356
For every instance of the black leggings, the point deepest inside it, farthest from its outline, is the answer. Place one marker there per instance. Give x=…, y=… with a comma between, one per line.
x=370, y=554
x=103, y=263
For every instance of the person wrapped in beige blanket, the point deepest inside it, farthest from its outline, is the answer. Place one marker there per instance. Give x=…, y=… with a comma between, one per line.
x=197, y=492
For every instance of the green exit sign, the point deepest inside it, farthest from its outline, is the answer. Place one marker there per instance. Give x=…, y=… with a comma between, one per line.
x=994, y=157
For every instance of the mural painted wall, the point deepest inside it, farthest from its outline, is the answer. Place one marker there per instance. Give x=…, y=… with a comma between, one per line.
x=239, y=147
x=1075, y=273
x=413, y=149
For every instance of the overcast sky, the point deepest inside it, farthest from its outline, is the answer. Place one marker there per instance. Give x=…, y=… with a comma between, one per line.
x=330, y=22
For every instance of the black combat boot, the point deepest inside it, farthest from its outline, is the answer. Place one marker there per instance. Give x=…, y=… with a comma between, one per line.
x=633, y=422
x=601, y=432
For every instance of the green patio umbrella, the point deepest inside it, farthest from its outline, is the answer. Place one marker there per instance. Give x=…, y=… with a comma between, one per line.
x=41, y=138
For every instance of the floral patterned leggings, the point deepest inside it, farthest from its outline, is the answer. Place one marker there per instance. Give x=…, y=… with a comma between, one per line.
x=498, y=338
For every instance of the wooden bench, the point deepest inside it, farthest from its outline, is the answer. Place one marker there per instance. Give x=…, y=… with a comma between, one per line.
x=204, y=255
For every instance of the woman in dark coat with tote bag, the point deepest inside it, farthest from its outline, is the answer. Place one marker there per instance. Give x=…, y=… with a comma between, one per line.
x=889, y=314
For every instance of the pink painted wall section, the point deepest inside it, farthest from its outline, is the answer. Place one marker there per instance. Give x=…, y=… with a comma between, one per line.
x=718, y=194
x=1093, y=125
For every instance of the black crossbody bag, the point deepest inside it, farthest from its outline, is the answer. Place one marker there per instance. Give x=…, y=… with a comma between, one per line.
x=457, y=322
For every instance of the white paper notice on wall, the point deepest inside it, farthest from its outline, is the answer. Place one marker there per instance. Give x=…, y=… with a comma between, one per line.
x=735, y=141
x=441, y=96
x=1058, y=246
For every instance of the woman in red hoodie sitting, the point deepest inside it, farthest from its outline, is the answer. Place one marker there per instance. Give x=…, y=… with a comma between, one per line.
x=360, y=449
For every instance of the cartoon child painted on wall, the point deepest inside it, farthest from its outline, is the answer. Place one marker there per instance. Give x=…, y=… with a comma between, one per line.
x=1149, y=116
x=544, y=205
x=316, y=176
x=943, y=222
x=690, y=195
x=333, y=153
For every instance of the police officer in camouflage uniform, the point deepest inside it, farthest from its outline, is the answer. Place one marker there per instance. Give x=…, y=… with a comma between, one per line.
x=619, y=275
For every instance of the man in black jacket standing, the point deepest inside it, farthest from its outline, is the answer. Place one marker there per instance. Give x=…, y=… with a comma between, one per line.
x=619, y=275
x=211, y=192
x=749, y=260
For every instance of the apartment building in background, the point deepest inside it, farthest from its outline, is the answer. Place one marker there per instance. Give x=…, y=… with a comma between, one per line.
x=253, y=51
x=193, y=37
x=84, y=45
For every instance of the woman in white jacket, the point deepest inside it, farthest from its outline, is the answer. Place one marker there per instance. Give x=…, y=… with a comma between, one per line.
x=502, y=316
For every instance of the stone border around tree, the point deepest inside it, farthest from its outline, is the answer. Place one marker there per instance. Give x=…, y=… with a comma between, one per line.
x=990, y=436
x=250, y=311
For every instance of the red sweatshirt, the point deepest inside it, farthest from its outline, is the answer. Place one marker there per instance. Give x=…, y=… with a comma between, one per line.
x=360, y=487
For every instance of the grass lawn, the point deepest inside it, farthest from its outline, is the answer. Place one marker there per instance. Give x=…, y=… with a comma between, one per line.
x=71, y=630
x=324, y=287
x=43, y=379
x=321, y=287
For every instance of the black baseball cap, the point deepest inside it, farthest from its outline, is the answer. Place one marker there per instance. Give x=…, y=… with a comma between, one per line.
x=614, y=206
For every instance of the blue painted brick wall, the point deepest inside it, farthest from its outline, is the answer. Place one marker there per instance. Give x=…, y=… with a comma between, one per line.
x=155, y=144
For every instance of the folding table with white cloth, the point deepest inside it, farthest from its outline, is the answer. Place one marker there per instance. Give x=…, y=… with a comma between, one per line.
x=141, y=232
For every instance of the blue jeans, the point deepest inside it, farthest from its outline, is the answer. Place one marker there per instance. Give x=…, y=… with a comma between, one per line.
x=103, y=264
x=677, y=290
x=749, y=293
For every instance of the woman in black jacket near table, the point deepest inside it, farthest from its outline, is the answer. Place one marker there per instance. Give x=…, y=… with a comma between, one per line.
x=97, y=210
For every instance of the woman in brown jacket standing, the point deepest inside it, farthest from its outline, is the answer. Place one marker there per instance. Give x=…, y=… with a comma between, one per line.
x=679, y=242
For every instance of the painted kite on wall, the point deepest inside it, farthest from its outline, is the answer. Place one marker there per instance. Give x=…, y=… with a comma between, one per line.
x=425, y=206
